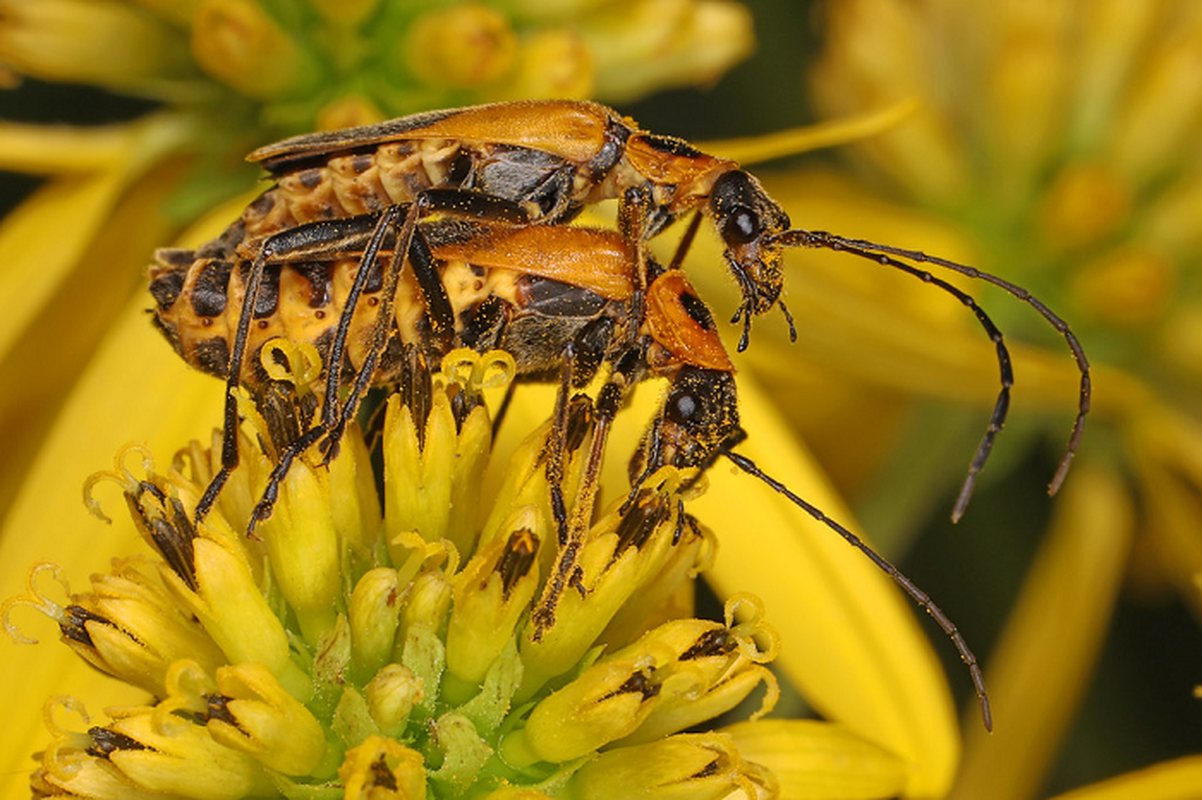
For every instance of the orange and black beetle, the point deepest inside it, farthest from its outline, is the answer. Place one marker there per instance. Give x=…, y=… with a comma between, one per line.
x=551, y=157
x=555, y=297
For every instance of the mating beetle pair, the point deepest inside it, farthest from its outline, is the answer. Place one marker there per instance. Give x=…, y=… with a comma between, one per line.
x=452, y=194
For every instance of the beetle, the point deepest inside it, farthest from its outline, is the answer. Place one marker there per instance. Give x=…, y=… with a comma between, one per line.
x=506, y=287
x=556, y=297
x=542, y=161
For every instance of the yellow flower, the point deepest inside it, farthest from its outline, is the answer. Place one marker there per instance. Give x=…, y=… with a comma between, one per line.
x=392, y=643
x=850, y=645
x=229, y=76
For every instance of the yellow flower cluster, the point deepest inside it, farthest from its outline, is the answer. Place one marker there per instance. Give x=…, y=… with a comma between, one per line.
x=345, y=650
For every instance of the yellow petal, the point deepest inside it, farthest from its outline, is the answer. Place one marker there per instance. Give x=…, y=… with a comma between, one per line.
x=44, y=237
x=814, y=759
x=1166, y=450
x=74, y=41
x=75, y=254
x=41, y=149
x=135, y=389
x=756, y=149
x=1168, y=780
x=1042, y=663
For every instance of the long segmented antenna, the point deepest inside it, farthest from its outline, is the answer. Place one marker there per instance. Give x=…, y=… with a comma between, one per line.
x=918, y=595
x=882, y=255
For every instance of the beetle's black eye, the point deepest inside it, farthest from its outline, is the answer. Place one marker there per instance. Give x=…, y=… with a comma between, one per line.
x=682, y=407
x=742, y=226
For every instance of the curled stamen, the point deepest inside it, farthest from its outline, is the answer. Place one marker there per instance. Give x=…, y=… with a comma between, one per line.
x=753, y=629
x=423, y=554
x=496, y=369
x=119, y=474
x=187, y=683
x=295, y=362
x=65, y=753
x=33, y=598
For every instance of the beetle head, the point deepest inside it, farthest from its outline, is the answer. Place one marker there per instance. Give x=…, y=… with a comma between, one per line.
x=748, y=221
x=699, y=417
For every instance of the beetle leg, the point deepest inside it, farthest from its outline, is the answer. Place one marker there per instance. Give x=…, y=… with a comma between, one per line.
x=567, y=571
x=632, y=224
x=229, y=432
x=557, y=445
x=503, y=408
x=411, y=241
x=686, y=242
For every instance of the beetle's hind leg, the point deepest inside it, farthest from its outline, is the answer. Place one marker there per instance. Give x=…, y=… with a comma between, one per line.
x=229, y=429
x=572, y=531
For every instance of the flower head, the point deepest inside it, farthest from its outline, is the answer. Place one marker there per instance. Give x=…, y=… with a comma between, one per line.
x=347, y=649
x=227, y=77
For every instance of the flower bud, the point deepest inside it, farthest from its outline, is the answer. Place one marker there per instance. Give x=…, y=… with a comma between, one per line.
x=236, y=42
x=425, y=654
x=232, y=610
x=707, y=669
x=255, y=715
x=644, y=46
x=134, y=632
x=374, y=612
x=92, y=778
x=181, y=760
x=391, y=695
x=349, y=112
x=72, y=41
x=463, y=46
x=427, y=601
x=491, y=593
x=127, y=627
x=433, y=481
x=354, y=503
x=550, y=63
x=305, y=549
x=607, y=702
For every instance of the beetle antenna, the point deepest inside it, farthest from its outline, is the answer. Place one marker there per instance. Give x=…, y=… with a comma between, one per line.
x=881, y=254
x=918, y=595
